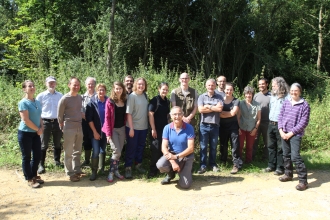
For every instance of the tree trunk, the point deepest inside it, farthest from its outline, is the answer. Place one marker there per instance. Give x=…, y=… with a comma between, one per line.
x=111, y=33
x=319, y=56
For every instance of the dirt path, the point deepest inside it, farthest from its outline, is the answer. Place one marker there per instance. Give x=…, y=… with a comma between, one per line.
x=259, y=196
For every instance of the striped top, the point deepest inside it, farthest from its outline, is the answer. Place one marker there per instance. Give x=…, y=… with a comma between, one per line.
x=294, y=118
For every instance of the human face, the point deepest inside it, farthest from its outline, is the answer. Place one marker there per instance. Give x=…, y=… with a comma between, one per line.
x=163, y=91
x=221, y=81
x=210, y=86
x=90, y=85
x=29, y=89
x=140, y=86
x=295, y=93
x=184, y=79
x=263, y=86
x=74, y=86
x=118, y=90
x=229, y=90
x=176, y=115
x=129, y=82
x=101, y=92
x=51, y=85
x=274, y=86
x=248, y=97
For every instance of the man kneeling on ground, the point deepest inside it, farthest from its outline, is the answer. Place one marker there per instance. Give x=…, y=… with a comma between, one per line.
x=178, y=150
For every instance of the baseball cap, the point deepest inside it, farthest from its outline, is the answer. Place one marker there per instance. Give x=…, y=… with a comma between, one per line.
x=50, y=79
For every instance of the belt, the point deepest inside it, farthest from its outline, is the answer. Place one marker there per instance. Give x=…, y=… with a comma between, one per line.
x=273, y=122
x=50, y=120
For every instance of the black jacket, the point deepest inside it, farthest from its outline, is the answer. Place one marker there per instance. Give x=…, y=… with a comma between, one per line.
x=92, y=114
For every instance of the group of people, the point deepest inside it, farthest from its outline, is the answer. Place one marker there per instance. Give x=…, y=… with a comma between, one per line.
x=93, y=119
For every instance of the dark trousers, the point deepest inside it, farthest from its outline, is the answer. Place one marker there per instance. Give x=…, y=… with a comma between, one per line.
x=51, y=128
x=208, y=138
x=135, y=146
x=262, y=130
x=87, y=142
x=225, y=136
x=156, y=150
x=29, y=142
x=291, y=154
x=275, y=152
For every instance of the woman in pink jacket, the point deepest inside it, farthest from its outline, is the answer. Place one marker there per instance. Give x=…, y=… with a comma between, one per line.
x=114, y=126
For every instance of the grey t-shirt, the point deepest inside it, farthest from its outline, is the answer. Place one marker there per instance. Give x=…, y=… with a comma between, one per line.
x=137, y=106
x=223, y=94
x=69, y=111
x=248, y=116
x=212, y=117
x=263, y=100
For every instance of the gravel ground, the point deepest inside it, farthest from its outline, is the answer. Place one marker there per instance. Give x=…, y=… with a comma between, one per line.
x=248, y=196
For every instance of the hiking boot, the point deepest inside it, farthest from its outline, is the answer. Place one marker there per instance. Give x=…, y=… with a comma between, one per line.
x=33, y=183
x=128, y=173
x=41, y=169
x=74, y=178
x=39, y=180
x=110, y=177
x=285, y=178
x=57, y=163
x=268, y=169
x=81, y=174
x=101, y=163
x=118, y=175
x=201, y=170
x=216, y=169
x=95, y=164
x=234, y=170
x=302, y=186
x=139, y=168
x=87, y=158
x=278, y=172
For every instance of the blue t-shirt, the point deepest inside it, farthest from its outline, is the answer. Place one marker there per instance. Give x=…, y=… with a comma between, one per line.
x=178, y=142
x=101, y=108
x=34, y=109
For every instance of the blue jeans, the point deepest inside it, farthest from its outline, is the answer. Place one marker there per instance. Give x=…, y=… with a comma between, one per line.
x=135, y=146
x=208, y=135
x=29, y=142
x=291, y=154
x=99, y=146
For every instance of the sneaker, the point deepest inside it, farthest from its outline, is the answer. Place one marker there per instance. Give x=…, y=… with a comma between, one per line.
x=278, y=172
x=201, y=170
x=166, y=180
x=268, y=169
x=234, y=170
x=216, y=169
x=33, y=183
x=41, y=169
x=110, y=177
x=118, y=175
x=128, y=173
x=39, y=180
x=74, y=178
x=285, y=178
x=139, y=168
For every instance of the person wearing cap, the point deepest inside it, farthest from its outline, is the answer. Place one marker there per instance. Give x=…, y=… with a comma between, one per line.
x=49, y=101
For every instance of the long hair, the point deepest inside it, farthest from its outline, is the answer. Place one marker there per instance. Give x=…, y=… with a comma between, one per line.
x=113, y=94
x=136, y=82
x=283, y=87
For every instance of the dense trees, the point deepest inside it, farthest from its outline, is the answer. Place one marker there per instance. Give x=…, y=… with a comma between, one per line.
x=236, y=38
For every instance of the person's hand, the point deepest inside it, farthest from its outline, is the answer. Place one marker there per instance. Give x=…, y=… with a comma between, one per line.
x=154, y=134
x=108, y=139
x=253, y=132
x=186, y=119
x=131, y=132
x=96, y=136
x=175, y=166
x=40, y=131
x=283, y=136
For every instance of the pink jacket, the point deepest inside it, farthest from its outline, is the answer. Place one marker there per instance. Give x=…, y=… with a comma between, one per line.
x=109, y=120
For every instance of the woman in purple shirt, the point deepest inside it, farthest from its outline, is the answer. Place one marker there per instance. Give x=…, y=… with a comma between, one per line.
x=292, y=121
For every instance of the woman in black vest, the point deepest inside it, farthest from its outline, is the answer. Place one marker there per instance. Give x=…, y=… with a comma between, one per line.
x=159, y=110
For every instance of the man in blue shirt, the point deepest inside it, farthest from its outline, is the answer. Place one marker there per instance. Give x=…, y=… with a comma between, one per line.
x=49, y=101
x=178, y=150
